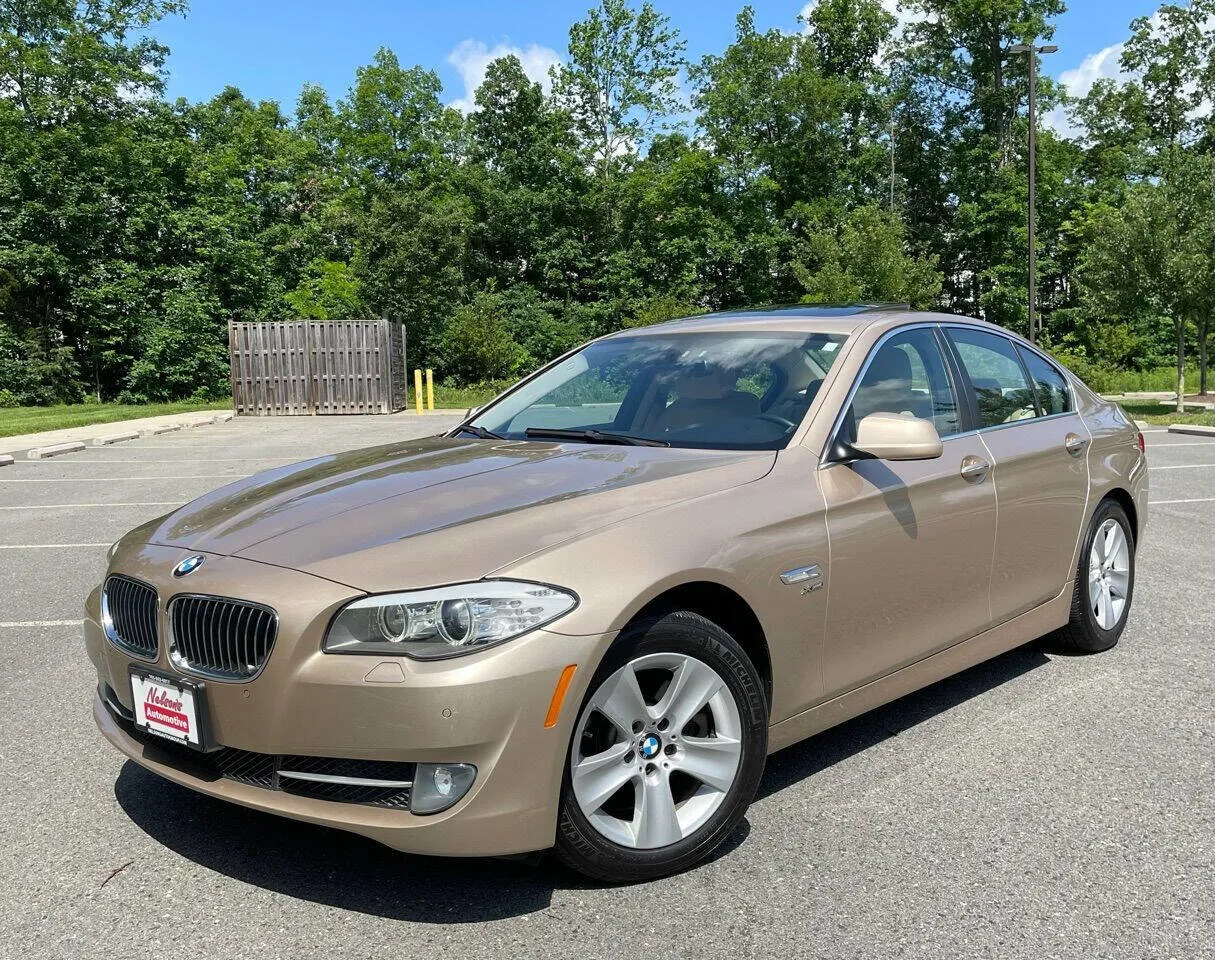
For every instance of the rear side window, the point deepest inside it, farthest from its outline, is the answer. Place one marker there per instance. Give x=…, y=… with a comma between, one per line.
x=1001, y=390
x=908, y=375
x=1053, y=395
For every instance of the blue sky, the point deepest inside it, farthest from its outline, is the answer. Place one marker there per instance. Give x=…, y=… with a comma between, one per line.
x=270, y=48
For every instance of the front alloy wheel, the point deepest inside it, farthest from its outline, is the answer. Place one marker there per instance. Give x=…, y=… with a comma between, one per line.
x=666, y=754
x=651, y=765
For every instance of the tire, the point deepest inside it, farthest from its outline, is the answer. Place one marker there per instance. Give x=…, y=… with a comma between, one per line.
x=1085, y=631
x=662, y=818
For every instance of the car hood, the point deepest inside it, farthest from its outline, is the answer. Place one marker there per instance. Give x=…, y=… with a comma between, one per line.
x=440, y=510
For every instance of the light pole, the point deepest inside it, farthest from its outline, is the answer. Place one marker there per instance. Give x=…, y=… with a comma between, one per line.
x=1033, y=52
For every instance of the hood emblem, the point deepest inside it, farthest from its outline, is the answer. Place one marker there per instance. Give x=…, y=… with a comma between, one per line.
x=189, y=565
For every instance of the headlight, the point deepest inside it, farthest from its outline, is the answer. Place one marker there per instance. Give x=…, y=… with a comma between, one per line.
x=446, y=621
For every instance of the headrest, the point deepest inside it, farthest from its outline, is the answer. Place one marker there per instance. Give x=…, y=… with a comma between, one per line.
x=889, y=364
x=704, y=383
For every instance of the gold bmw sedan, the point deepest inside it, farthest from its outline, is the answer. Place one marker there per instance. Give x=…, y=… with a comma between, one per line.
x=583, y=619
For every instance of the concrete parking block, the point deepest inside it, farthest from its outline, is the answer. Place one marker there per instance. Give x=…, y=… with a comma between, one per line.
x=1192, y=429
x=115, y=438
x=6, y=460
x=201, y=422
x=55, y=449
x=224, y=417
x=163, y=428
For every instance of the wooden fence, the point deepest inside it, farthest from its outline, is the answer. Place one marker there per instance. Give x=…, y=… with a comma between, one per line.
x=317, y=367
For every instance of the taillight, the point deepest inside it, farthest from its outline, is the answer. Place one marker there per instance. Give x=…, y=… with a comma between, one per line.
x=1142, y=445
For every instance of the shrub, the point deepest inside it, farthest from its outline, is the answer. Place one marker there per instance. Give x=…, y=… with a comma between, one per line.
x=478, y=346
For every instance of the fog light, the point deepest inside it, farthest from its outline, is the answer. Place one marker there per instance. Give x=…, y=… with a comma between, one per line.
x=437, y=786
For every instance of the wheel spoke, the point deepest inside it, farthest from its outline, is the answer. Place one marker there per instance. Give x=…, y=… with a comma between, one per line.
x=1111, y=541
x=623, y=702
x=692, y=687
x=713, y=761
x=597, y=778
x=1106, y=615
x=1119, y=581
x=1094, y=593
x=655, y=820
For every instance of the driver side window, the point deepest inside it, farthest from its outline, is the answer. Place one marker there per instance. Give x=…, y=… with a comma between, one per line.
x=908, y=375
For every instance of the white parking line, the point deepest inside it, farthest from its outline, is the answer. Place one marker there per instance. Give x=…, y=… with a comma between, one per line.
x=65, y=506
x=1184, y=466
x=47, y=546
x=1196, y=443
x=197, y=476
x=1161, y=503
x=41, y=623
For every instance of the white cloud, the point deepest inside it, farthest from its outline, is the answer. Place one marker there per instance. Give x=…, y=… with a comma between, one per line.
x=1102, y=65
x=1105, y=64
x=473, y=57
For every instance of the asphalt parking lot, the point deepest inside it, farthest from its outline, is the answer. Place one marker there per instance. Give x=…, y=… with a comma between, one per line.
x=1036, y=806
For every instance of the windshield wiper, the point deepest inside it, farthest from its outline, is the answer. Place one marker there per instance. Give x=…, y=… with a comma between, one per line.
x=591, y=436
x=480, y=432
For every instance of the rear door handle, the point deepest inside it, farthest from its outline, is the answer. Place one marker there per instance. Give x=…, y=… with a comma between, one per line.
x=1075, y=444
x=974, y=469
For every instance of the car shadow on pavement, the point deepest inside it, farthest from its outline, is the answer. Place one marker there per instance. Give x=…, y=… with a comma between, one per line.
x=338, y=869
x=807, y=758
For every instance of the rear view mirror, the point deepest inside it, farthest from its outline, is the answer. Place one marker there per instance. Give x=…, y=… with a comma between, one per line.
x=897, y=436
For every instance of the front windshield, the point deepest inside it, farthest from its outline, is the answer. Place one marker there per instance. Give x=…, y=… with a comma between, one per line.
x=719, y=391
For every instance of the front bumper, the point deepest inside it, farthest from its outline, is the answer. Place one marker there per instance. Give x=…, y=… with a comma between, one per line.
x=487, y=709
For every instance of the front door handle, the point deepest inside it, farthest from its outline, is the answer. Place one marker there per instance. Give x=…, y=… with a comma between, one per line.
x=974, y=469
x=1075, y=444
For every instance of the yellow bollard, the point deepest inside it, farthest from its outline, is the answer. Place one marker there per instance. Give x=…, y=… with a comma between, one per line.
x=417, y=388
x=430, y=390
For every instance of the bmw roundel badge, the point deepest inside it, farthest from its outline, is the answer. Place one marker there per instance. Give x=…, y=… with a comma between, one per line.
x=649, y=747
x=189, y=565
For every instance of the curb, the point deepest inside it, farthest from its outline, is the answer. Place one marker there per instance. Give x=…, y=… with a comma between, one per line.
x=115, y=438
x=55, y=449
x=204, y=422
x=6, y=460
x=1192, y=430
x=157, y=431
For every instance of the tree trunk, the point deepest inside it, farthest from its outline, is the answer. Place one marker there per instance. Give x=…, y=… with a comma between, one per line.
x=1181, y=366
x=1204, y=327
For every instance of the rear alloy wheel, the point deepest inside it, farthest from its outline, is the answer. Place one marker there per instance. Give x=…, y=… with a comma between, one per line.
x=1109, y=574
x=666, y=754
x=1105, y=582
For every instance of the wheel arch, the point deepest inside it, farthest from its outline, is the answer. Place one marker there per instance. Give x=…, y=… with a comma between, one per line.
x=727, y=609
x=1123, y=498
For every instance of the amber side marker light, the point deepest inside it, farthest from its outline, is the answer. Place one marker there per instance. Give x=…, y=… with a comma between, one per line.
x=554, y=706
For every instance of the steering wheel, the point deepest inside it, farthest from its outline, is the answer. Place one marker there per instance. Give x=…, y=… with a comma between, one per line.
x=787, y=424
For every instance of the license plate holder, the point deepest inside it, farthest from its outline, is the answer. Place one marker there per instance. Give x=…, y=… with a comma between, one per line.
x=171, y=708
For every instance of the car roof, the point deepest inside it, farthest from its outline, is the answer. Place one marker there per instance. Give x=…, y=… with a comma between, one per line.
x=800, y=318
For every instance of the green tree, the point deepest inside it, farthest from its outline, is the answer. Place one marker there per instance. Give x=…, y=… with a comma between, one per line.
x=620, y=83
x=863, y=258
x=477, y=346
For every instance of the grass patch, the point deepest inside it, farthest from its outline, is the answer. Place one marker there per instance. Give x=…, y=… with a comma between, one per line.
x=1154, y=412
x=464, y=397
x=18, y=420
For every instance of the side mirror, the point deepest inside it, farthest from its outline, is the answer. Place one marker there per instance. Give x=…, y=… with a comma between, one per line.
x=897, y=436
